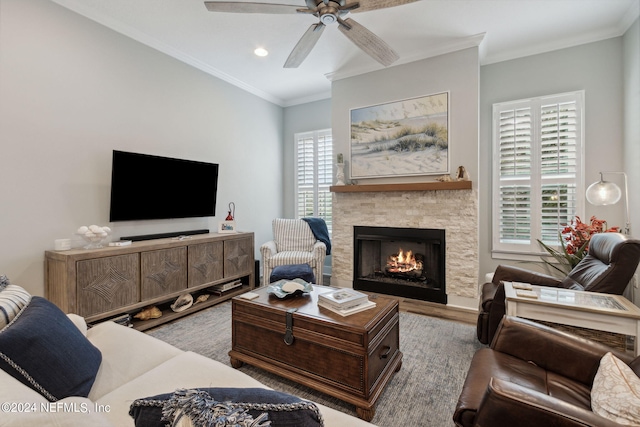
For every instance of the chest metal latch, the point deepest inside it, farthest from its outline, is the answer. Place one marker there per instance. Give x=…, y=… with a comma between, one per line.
x=288, y=335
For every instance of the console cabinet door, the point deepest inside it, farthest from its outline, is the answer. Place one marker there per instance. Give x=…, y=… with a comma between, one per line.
x=205, y=263
x=105, y=284
x=238, y=257
x=163, y=272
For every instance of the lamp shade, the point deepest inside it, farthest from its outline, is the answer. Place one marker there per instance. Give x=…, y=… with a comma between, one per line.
x=603, y=193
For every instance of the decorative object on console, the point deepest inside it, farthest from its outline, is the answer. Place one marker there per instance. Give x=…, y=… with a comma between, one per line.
x=151, y=312
x=182, y=303
x=229, y=224
x=62, y=244
x=401, y=138
x=444, y=178
x=94, y=235
x=603, y=193
x=202, y=298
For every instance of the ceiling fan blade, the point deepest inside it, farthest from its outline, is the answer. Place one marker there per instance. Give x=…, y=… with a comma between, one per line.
x=366, y=5
x=304, y=45
x=371, y=44
x=246, y=7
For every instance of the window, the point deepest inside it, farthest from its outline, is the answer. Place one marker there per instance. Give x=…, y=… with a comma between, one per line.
x=314, y=165
x=538, y=170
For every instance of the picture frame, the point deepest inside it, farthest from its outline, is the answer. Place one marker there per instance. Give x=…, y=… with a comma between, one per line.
x=400, y=138
x=227, y=227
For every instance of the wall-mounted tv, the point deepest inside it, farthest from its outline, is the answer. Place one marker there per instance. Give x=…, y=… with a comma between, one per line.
x=153, y=187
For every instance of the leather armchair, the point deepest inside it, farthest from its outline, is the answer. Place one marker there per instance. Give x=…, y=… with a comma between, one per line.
x=608, y=267
x=533, y=375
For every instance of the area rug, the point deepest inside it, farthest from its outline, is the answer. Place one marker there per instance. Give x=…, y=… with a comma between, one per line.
x=423, y=393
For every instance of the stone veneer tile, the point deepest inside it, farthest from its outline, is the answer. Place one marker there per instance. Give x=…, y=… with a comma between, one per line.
x=455, y=211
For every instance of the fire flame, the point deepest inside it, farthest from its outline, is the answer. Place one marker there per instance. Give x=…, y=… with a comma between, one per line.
x=403, y=262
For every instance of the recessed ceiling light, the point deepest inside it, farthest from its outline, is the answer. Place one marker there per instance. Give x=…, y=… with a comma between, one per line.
x=261, y=51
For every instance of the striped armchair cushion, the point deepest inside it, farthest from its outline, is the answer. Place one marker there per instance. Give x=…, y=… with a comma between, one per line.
x=292, y=235
x=13, y=298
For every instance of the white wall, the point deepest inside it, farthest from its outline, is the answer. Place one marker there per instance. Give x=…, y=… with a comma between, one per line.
x=301, y=118
x=631, y=137
x=456, y=72
x=631, y=73
x=71, y=91
x=595, y=68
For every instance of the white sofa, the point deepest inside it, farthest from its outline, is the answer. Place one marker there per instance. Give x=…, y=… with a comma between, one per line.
x=134, y=365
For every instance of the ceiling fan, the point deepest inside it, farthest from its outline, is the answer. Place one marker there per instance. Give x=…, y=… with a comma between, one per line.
x=328, y=12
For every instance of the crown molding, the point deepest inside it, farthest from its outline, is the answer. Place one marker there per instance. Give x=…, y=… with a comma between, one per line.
x=440, y=49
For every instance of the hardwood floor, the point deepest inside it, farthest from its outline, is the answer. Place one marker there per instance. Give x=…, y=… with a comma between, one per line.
x=442, y=311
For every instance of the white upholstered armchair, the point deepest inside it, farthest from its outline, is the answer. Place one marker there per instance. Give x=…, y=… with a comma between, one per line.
x=293, y=243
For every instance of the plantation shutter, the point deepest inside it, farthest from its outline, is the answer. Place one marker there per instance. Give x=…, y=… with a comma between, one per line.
x=314, y=165
x=537, y=170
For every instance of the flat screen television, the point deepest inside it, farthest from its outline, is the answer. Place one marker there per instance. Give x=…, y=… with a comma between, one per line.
x=153, y=187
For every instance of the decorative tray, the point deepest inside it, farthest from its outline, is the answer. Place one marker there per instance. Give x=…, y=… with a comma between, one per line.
x=276, y=288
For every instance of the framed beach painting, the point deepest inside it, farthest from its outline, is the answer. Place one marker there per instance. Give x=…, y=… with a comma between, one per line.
x=401, y=138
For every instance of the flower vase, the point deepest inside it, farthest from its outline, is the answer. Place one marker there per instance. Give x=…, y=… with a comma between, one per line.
x=340, y=174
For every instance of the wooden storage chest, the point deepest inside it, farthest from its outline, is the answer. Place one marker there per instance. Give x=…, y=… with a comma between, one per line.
x=351, y=358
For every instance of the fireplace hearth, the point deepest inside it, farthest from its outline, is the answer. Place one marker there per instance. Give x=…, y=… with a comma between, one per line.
x=405, y=262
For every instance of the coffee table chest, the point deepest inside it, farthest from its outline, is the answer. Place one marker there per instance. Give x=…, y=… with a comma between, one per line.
x=351, y=358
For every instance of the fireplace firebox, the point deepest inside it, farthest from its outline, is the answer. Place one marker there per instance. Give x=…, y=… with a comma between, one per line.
x=405, y=262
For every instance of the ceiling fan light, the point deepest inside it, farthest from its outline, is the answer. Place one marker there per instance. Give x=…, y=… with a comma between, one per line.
x=603, y=193
x=261, y=52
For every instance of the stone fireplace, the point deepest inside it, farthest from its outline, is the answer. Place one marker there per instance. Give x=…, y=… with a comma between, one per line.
x=452, y=210
x=406, y=262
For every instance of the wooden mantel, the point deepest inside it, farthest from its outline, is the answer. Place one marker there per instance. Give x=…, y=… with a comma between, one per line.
x=416, y=186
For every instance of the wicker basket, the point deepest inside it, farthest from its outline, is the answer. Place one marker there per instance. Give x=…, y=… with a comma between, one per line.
x=610, y=339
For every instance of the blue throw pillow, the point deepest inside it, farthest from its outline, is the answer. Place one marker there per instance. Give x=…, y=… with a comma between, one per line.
x=44, y=350
x=282, y=409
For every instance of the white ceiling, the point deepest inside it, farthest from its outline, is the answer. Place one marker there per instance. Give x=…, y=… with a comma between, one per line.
x=222, y=44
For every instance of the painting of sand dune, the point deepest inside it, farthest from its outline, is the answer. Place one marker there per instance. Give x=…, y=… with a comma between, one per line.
x=401, y=138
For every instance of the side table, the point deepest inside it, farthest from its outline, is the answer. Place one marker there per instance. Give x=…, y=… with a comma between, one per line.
x=591, y=310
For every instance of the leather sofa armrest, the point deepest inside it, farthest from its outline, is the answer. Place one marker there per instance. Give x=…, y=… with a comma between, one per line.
x=508, y=404
x=268, y=248
x=516, y=274
x=565, y=354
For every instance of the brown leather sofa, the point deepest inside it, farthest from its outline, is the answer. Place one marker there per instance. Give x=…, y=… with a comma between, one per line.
x=608, y=267
x=533, y=375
